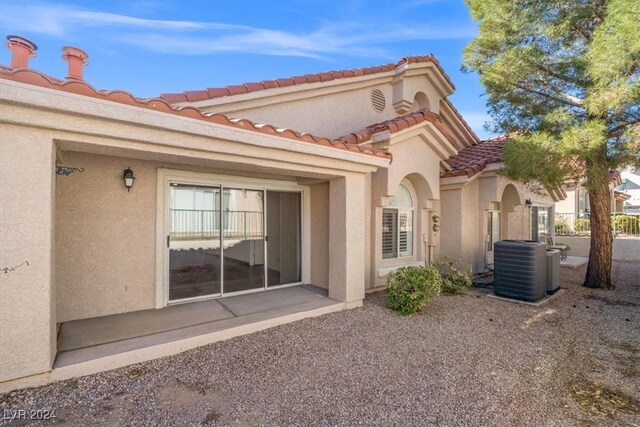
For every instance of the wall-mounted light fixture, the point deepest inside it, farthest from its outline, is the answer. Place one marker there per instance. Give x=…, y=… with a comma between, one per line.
x=128, y=178
x=528, y=203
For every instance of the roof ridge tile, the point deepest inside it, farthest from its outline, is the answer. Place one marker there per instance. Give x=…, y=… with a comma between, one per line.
x=323, y=76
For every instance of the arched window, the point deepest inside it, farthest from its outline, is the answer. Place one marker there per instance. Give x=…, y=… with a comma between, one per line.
x=397, y=225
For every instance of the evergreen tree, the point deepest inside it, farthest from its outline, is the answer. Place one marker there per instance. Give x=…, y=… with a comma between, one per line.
x=562, y=77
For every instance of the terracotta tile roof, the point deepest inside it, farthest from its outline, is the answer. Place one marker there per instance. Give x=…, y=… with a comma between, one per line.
x=218, y=92
x=36, y=78
x=472, y=160
x=397, y=124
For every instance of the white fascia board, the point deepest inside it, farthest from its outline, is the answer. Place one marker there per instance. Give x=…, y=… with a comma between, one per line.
x=70, y=103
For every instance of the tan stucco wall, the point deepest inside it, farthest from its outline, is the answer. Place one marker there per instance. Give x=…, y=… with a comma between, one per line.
x=567, y=205
x=105, y=237
x=464, y=210
x=624, y=248
x=327, y=112
x=27, y=295
x=102, y=265
x=416, y=164
x=320, y=235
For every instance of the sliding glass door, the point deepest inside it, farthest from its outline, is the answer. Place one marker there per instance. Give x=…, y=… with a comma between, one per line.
x=194, y=241
x=225, y=240
x=243, y=240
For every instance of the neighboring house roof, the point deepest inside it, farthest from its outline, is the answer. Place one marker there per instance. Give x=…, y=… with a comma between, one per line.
x=474, y=159
x=218, y=92
x=80, y=87
x=397, y=124
x=619, y=195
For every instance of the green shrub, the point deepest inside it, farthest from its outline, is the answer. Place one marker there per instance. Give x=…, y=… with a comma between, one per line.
x=626, y=224
x=562, y=226
x=456, y=276
x=409, y=288
x=582, y=225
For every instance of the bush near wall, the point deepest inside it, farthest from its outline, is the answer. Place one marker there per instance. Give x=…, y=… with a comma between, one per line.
x=582, y=226
x=562, y=226
x=409, y=288
x=456, y=276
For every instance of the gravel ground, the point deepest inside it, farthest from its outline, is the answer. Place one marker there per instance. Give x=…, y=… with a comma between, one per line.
x=466, y=360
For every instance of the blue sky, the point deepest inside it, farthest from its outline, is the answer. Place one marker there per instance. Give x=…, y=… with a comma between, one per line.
x=149, y=47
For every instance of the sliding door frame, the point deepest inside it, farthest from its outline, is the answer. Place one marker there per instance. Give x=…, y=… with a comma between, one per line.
x=168, y=176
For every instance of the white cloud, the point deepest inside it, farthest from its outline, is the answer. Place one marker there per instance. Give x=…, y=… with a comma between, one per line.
x=201, y=38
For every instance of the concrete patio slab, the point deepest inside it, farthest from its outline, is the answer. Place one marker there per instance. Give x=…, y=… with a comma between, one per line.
x=100, y=330
x=574, y=262
x=176, y=328
x=209, y=332
x=243, y=305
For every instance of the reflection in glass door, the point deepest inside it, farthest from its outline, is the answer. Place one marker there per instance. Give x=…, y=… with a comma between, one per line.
x=283, y=231
x=217, y=243
x=243, y=240
x=194, y=241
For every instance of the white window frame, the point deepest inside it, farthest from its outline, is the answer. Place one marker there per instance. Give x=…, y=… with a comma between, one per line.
x=399, y=211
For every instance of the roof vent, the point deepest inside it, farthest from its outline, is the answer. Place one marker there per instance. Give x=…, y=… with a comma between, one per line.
x=377, y=100
x=76, y=59
x=21, y=50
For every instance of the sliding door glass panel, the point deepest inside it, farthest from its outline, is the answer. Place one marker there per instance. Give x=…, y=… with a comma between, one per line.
x=194, y=241
x=283, y=237
x=243, y=240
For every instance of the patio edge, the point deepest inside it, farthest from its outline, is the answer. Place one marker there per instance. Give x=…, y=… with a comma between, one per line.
x=164, y=349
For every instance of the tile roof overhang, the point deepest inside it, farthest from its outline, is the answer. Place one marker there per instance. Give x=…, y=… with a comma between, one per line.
x=474, y=159
x=398, y=124
x=79, y=87
x=232, y=90
x=477, y=158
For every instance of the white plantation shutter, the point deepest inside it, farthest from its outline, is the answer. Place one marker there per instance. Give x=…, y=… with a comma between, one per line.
x=397, y=225
x=389, y=233
x=406, y=233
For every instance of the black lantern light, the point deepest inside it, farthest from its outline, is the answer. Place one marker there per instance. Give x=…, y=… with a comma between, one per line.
x=128, y=178
x=528, y=203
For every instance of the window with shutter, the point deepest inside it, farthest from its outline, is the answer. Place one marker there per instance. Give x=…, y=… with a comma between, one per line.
x=397, y=225
x=389, y=233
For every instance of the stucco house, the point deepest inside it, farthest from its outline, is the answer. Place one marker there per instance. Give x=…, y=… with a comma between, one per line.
x=128, y=209
x=577, y=199
x=573, y=213
x=630, y=186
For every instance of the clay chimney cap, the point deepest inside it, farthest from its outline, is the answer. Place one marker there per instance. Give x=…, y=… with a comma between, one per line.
x=22, y=41
x=68, y=51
